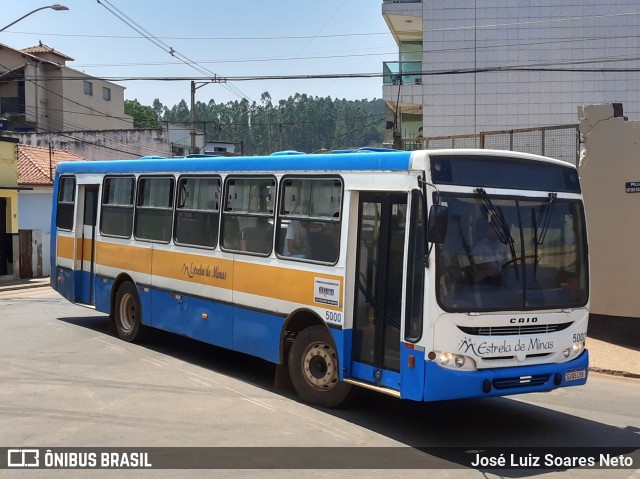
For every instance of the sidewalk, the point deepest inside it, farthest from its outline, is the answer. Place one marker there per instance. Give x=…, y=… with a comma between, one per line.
x=613, y=359
x=9, y=283
x=605, y=356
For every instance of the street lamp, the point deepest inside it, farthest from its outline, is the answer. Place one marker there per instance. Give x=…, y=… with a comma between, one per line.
x=55, y=6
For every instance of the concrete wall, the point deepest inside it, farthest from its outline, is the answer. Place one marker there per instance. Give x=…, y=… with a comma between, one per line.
x=34, y=209
x=103, y=145
x=611, y=159
x=96, y=112
x=34, y=213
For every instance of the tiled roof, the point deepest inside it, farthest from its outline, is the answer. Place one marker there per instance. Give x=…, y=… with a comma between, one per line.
x=42, y=48
x=35, y=166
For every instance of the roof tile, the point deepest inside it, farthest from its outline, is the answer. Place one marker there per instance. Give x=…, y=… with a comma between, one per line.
x=35, y=165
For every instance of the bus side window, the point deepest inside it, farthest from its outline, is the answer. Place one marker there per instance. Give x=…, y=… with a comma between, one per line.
x=154, y=209
x=197, y=212
x=248, y=215
x=66, y=203
x=309, y=221
x=117, y=206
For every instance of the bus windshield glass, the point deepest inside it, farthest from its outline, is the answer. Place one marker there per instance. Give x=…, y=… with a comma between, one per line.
x=512, y=254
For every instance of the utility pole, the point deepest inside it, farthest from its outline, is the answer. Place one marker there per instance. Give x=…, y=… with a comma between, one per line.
x=194, y=86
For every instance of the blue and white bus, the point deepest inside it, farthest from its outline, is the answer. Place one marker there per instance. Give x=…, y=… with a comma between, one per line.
x=425, y=275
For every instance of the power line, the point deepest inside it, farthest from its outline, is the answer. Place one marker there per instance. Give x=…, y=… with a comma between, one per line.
x=289, y=37
x=303, y=37
x=123, y=17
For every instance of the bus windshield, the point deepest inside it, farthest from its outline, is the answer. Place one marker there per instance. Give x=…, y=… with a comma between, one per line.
x=512, y=254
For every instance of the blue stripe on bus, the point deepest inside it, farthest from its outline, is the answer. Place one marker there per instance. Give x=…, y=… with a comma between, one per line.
x=412, y=377
x=442, y=383
x=397, y=160
x=373, y=374
x=103, y=294
x=64, y=283
x=248, y=331
x=343, y=340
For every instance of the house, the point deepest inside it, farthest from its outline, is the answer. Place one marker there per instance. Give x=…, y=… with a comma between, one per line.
x=39, y=93
x=497, y=64
x=220, y=148
x=36, y=170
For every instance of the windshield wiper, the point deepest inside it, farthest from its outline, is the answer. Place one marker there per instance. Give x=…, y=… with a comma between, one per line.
x=543, y=221
x=497, y=221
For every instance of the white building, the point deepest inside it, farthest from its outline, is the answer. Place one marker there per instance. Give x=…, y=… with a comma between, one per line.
x=460, y=38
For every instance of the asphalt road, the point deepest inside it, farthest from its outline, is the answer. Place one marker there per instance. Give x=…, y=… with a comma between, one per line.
x=66, y=382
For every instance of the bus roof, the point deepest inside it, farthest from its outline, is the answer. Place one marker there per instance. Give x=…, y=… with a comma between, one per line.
x=365, y=159
x=395, y=160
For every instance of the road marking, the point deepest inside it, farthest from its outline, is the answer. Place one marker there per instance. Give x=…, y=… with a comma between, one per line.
x=111, y=345
x=257, y=403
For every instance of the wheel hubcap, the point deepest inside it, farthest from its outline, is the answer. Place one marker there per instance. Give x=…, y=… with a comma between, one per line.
x=127, y=312
x=319, y=365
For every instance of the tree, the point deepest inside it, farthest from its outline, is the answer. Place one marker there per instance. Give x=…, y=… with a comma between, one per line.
x=301, y=122
x=143, y=116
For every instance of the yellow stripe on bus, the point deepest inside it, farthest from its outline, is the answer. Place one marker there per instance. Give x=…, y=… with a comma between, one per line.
x=273, y=282
x=279, y=283
x=194, y=268
x=124, y=257
x=66, y=247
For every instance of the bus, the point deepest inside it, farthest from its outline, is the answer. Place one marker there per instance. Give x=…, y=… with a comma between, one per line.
x=425, y=275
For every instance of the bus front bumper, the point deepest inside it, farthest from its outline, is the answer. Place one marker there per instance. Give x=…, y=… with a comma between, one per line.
x=442, y=383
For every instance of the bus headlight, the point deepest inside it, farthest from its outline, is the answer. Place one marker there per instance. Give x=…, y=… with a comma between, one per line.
x=453, y=361
x=444, y=358
x=574, y=350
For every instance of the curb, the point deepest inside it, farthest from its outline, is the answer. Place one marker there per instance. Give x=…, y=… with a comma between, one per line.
x=612, y=372
x=14, y=287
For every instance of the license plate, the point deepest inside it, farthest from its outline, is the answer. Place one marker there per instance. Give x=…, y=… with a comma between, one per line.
x=575, y=374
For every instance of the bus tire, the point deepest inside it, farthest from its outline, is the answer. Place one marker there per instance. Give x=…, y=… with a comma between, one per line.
x=313, y=368
x=128, y=313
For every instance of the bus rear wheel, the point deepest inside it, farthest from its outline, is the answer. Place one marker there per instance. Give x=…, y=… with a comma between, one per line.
x=313, y=367
x=128, y=313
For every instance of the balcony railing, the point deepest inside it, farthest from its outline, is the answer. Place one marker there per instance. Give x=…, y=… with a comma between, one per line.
x=401, y=73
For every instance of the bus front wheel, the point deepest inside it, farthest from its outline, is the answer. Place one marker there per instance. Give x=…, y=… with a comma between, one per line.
x=128, y=312
x=313, y=367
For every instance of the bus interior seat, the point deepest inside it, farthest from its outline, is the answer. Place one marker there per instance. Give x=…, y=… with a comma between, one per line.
x=256, y=239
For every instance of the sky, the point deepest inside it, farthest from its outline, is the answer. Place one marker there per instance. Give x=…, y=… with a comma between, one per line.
x=228, y=38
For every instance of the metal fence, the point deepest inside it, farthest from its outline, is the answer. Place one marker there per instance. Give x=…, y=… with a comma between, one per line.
x=561, y=142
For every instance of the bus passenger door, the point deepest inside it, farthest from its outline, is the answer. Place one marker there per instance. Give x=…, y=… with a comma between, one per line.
x=85, y=251
x=378, y=288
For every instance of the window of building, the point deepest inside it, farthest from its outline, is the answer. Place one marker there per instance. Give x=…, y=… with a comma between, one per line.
x=197, y=211
x=117, y=206
x=247, y=222
x=88, y=87
x=66, y=202
x=154, y=209
x=106, y=93
x=309, y=219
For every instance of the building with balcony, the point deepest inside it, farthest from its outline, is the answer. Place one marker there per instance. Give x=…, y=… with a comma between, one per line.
x=39, y=93
x=470, y=66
